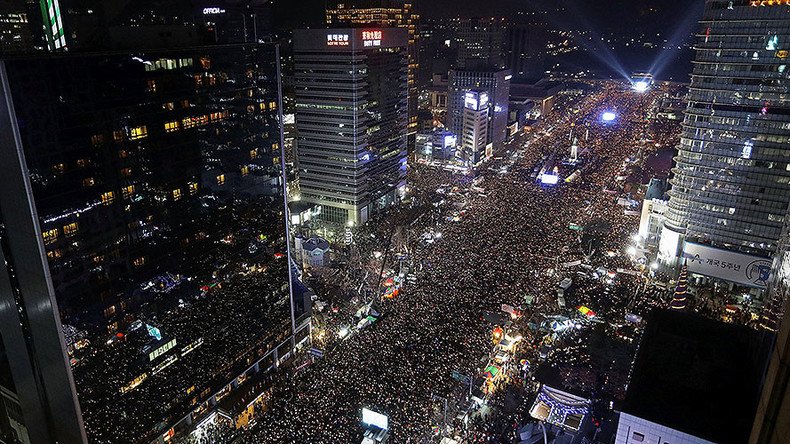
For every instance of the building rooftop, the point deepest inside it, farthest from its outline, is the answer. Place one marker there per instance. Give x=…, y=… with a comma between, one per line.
x=698, y=376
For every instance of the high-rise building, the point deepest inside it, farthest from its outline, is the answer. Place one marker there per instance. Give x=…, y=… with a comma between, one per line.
x=523, y=47
x=351, y=119
x=143, y=223
x=16, y=32
x=384, y=13
x=731, y=184
x=481, y=43
x=474, y=135
x=496, y=83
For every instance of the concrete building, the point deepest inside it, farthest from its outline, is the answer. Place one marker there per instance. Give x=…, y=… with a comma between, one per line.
x=389, y=14
x=496, y=83
x=481, y=43
x=474, y=134
x=694, y=380
x=731, y=183
x=351, y=118
x=314, y=252
x=439, y=145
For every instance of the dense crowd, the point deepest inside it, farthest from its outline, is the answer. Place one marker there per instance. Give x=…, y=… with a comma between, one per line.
x=502, y=242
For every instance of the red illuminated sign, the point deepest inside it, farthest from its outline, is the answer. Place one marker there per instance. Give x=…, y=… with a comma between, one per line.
x=371, y=38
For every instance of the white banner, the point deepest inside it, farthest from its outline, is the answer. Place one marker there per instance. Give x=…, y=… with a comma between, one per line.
x=753, y=271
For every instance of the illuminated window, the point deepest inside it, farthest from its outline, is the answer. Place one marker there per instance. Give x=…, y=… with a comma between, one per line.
x=221, y=179
x=168, y=106
x=50, y=236
x=117, y=136
x=275, y=161
x=177, y=194
x=245, y=170
x=171, y=126
x=151, y=86
x=198, y=80
x=193, y=187
x=58, y=168
x=190, y=122
x=88, y=182
x=205, y=62
x=109, y=311
x=128, y=191
x=275, y=147
x=220, y=115
x=139, y=132
x=253, y=154
x=139, y=262
x=70, y=229
x=54, y=254
x=272, y=106
x=108, y=197
x=97, y=139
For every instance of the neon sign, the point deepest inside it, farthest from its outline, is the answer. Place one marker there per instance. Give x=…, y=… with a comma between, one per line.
x=337, y=40
x=212, y=11
x=371, y=38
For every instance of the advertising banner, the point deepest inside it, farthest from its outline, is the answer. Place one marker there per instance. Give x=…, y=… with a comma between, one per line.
x=744, y=269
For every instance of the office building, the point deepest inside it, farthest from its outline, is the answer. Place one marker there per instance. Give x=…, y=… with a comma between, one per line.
x=481, y=43
x=496, y=83
x=524, y=44
x=351, y=120
x=731, y=183
x=694, y=380
x=474, y=135
x=16, y=32
x=143, y=217
x=437, y=144
x=389, y=14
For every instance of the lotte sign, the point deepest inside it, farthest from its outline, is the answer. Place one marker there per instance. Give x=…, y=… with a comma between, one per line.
x=372, y=38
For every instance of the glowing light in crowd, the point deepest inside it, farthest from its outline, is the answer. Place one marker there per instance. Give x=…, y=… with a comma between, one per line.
x=608, y=116
x=640, y=86
x=549, y=179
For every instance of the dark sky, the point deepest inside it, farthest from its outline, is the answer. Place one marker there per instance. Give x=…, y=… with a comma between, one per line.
x=604, y=15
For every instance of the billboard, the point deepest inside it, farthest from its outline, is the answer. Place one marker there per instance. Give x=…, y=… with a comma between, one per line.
x=369, y=417
x=744, y=269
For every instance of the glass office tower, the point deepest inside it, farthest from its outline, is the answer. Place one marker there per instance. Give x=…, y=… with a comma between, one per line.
x=149, y=188
x=731, y=183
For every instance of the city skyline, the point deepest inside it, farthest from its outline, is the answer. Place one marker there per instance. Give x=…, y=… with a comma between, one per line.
x=394, y=221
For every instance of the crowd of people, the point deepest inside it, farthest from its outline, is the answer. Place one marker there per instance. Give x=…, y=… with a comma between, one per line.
x=502, y=239
x=502, y=242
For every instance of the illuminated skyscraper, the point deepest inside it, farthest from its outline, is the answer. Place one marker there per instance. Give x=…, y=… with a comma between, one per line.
x=731, y=183
x=142, y=226
x=351, y=119
x=494, y=81
x=384, y=13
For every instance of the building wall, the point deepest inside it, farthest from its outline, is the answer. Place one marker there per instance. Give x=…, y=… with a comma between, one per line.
x=387, y=13
x=634, y=430
x=497, y=83
x=351, y=119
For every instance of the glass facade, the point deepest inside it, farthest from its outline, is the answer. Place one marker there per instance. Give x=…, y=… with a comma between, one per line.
x=731, y=182
x=158, y=184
